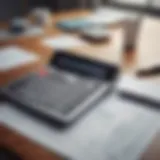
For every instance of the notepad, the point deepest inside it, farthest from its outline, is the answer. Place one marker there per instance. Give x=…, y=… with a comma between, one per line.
x=12, y=57
x=63, y=42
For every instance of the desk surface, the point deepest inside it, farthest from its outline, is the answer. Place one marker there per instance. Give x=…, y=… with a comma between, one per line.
x=112, y=52
x=109, y=51
x=23, y=147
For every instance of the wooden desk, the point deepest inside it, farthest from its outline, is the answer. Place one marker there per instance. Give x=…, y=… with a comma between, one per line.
x=110, y=52
x=23, y=147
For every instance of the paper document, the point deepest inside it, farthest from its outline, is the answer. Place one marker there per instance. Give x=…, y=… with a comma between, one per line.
x=13, y=57
x=63, y=42
x=105, y=19
x=109, y=16
x=101, y=135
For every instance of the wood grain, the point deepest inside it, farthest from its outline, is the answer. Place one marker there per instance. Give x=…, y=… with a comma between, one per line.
x=148, y=48
x=108, y=52
x=25, y=148
x=152, y=151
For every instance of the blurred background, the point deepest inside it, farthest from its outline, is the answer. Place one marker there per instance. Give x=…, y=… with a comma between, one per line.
x=101, y=51
x=10, y=8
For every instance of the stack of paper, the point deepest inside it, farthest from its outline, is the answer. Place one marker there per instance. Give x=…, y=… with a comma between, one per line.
x=114, y=130
x=63, y=42
x=110, y=16
x=12, y=57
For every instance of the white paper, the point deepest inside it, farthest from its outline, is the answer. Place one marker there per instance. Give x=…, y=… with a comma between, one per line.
x=63, y=42
x=12, y=57
x=102, y=134
x=110, y=16
x=32, y=31
x=104, y=19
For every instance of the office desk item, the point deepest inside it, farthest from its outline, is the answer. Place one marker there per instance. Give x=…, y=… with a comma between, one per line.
x=153, y=71
x=140, y=91
x=61, y=95
x=14, y=146
x=18, y=25
x=114, y=129
x=73, y=24
x=96, y=34
x=12, y=57
x=108, y=16
x=105, y=18
x=148, y=48
x=63, y=42
x=31, y=31
x=41, y=16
